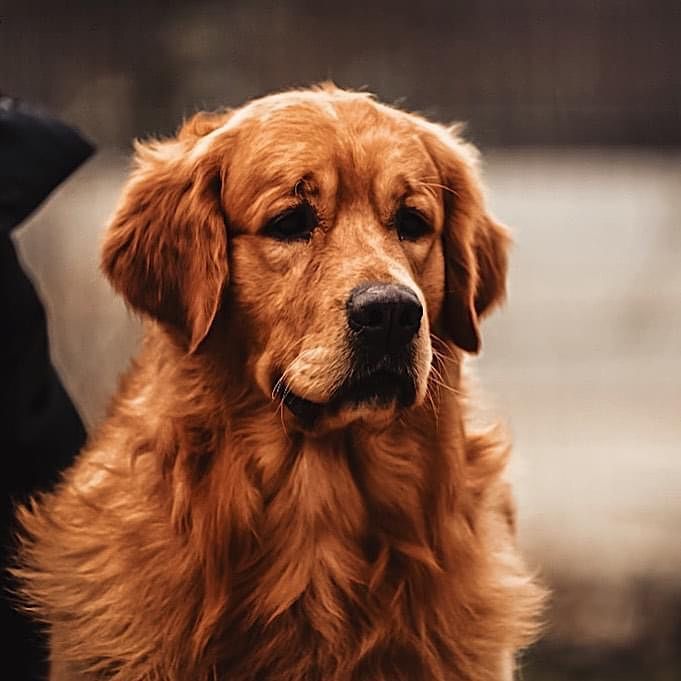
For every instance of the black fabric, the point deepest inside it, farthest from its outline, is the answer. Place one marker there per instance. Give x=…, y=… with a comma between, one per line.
x=40, y=429
x=37, y=153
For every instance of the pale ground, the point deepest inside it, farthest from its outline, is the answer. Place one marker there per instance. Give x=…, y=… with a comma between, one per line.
x=584, y=362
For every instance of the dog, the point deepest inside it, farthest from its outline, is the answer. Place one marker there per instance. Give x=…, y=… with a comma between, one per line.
x=286, y=486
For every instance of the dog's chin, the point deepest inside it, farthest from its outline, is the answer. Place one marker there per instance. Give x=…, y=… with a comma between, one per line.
x=374, y=398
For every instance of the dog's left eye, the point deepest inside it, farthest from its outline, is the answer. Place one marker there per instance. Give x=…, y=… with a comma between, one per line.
x=295, y=224
x=410, y=224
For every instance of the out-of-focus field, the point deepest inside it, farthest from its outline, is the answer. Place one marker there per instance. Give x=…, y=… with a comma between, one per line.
x=584, y=363
x=585, y=360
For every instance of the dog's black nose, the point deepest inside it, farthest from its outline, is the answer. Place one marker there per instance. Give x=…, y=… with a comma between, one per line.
x=386, y=316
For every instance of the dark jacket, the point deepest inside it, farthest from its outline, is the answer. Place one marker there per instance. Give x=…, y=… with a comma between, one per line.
x=40, y=430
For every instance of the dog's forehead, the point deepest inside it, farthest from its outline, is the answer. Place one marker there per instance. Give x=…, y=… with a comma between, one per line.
x=333, y=138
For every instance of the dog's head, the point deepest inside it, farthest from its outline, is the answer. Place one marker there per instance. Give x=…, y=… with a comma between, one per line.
x=339, y=234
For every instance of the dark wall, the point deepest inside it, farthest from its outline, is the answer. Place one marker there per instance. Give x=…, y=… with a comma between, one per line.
x=520, y=71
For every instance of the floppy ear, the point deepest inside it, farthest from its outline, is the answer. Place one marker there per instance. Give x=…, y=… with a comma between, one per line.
x=475, y=245
x=166, y=247
x=491, y=252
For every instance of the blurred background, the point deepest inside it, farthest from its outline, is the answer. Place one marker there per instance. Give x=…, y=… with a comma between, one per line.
x=577, y=109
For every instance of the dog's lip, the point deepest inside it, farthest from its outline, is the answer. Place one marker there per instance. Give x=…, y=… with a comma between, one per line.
x=305, y=410
x=378, y=387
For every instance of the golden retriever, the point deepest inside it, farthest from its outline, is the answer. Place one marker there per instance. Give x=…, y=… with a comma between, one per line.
x=286, y=487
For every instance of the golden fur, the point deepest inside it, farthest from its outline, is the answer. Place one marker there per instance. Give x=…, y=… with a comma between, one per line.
x=204, y=534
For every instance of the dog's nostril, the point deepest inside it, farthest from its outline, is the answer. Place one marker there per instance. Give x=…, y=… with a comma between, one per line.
x=411, y=316
x=385, y=316
x=375, y=316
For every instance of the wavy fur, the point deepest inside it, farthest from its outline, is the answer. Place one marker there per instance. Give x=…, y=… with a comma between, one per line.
x=201, y=536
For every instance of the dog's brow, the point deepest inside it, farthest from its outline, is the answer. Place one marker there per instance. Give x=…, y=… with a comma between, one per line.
x=306, y=186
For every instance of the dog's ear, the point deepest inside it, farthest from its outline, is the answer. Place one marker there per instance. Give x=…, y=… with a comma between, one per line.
x=166, y=247
x=491, y=247
x=475, y=245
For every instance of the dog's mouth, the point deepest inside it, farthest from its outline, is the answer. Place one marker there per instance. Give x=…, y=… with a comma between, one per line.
x=378, y=389
x=306, y=411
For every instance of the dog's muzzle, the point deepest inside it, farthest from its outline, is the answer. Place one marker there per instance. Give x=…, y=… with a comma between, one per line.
x=383, y=321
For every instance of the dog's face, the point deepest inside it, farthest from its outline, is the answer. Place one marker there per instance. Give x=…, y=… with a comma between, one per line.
x=341, y=235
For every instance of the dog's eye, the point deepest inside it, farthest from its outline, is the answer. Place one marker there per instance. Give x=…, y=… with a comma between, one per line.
x=295, y=224
x=410, y=224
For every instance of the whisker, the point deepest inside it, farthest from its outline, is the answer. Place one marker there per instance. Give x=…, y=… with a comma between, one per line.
x=434, y=337
x=436, y=185
x=439, y=380
x=436, y=370
x=282, y=379
x=276, y=387
x=438, y=366
x=431, y=401
x=282, y=419
x=280, y=409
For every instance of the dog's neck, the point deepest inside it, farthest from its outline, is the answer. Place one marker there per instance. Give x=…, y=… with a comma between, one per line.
x=330, y=517
x=386, y=480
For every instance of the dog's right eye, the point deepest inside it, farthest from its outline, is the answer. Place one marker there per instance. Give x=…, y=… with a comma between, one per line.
x=295, y=224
